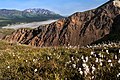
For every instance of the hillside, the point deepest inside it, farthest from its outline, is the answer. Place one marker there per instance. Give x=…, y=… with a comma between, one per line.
x=79, y=29
x=8, y=17
x=4, y=32
x=21, y=62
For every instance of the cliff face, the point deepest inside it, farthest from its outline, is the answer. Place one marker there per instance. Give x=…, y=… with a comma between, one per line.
x=81, y=28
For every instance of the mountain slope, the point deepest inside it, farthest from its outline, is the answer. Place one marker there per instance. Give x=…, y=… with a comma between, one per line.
x=79, y=29
x=28, y=15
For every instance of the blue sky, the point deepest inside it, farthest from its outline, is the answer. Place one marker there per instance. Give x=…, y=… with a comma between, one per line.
x=64, y=7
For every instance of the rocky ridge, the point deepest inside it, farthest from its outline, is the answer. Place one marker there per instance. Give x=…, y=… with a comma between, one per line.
x=79, y=29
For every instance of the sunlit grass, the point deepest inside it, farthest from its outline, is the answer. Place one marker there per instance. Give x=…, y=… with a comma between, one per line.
x=21, y=62
x=6, y=31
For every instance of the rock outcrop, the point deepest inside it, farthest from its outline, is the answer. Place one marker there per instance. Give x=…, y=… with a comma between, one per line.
x=79, y=29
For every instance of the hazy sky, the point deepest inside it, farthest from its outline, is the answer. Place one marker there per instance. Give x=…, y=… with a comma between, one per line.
x=64, y=7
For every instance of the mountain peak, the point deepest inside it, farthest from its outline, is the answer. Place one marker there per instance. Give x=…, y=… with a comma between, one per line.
x=39, y=11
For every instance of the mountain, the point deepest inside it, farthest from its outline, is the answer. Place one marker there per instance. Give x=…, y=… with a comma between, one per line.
x=40, y=11
x=79, y=29
x=28, y=15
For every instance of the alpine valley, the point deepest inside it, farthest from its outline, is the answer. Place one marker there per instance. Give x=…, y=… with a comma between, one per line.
x=82, y=46
x=8, y=17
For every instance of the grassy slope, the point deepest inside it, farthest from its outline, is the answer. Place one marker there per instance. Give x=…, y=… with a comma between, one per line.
x=6, y=31
x=21, y=62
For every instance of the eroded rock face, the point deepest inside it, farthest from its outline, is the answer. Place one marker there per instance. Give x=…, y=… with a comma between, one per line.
x=116, y=3
x=81, y=28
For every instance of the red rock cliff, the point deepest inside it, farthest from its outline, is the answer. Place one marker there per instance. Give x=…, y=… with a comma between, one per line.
x=81, y=28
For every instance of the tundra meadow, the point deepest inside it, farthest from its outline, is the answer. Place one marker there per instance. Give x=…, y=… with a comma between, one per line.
x=96, y=62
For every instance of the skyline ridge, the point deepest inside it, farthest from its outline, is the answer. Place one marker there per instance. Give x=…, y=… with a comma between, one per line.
x=63, y=7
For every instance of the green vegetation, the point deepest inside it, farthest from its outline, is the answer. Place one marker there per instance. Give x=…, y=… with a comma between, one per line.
x=16, y=17
x=26, y=20
x=21, y=62
x=3, y=20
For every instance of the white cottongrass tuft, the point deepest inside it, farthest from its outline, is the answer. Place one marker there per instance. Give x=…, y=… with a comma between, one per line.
x=70, y=61
x=118, y=75
x=35, y=70
x=93, y=69
x=119, y=50
x=101, y=55
x=96, y=60
x=48, y=58
x=107, y=51
x=8, y=67
x=86, y=70
x=26, y=60
x=13, y=55
x=86, y=59
x=111, y=64
x=33, y=60
x=84, y=65
x=78, y=60
x=119, y=61
x=92, y=77
x=92, y=52
x=80, y=71
x=115, y=56
x=100, y=60
x=72, y=58
x=109, y=61
x=82, y=57
x=101, y=63
x=74, y=65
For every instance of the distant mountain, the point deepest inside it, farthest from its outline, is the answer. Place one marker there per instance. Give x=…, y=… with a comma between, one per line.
x=79, y=29
x=40, y=11
x=28, y=15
